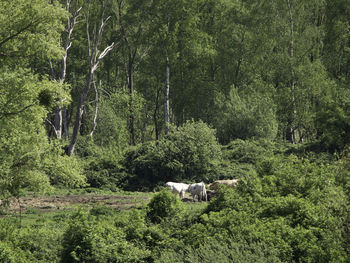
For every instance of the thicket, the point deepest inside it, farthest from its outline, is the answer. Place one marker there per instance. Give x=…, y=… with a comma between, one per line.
x=189, y=153
x=286, y=208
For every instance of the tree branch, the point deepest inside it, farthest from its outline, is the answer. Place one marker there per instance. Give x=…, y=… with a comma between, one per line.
x=18, y=33
x=6, y=114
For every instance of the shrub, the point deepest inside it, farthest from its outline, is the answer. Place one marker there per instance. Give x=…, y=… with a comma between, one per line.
x=188, y=153
x=9, y=254
x=100, y=163
x=342, y=169
x=40, y=245
x=293, y=205
x=199, y=150
x=89, y=240
x=102, y=210
x=28, y=242
x=102, y=172
x=164, y=206
x=62, y=169
x=217, y=251
x=253, y=150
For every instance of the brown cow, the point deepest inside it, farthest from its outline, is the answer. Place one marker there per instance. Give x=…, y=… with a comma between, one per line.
x=215, y=185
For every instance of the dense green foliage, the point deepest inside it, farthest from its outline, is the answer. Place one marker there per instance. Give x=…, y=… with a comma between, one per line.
x=258, y=91
x=29, y=33
x=190, y=152
x=89, y=240
x=249, y=70
x=291, y=210
x=164, y=206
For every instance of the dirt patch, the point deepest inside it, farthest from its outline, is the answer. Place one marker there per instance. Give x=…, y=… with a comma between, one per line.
x=50, y=203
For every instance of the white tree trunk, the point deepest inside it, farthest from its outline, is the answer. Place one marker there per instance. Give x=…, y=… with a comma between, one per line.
x=60, y=115
x=94, y=61
x=166, y=95
x=94, y=123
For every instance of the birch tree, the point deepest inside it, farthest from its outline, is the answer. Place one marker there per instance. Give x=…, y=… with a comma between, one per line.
x=60, y=124
x=294, y=68
x=175, y=36
x=94, y=58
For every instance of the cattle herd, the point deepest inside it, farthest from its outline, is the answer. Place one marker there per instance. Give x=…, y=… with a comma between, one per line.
x=198, y=189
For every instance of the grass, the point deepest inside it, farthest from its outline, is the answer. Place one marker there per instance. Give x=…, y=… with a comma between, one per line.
x=90, y=199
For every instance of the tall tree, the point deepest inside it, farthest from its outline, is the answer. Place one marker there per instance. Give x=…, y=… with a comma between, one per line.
x=60, y=124
x=336, y=55
x=132, y=25
x=164, y=17
x=29, y=31
x=293, y=66
x=94, y=59
x=176, y=43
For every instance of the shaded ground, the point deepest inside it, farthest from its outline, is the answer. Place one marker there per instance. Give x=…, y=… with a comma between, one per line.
x=49, y=203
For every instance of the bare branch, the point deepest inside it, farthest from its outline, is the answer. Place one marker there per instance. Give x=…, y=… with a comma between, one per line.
x=105, y=92
x=87, y=30
x=69, y=29
x=51, y=124
x=94, y=59
x=106, y=51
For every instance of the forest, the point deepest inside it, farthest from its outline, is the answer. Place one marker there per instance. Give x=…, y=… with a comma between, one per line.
x=118, y=97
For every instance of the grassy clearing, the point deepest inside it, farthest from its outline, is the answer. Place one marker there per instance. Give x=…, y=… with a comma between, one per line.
x=65, y=201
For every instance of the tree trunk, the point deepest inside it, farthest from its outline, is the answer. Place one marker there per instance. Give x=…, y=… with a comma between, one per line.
x=166, y=95
x=94, y=61
x=79, y=114
x=291, y=127
x=130, y=67
x=65, y=123
x=60, y=116
x=58, y=122
x=131, y=100
x=156, y=110
x=94, y=122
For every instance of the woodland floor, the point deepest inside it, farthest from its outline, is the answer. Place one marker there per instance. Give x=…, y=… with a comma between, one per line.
x=57, y=202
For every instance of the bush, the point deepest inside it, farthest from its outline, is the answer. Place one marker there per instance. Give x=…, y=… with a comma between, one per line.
x=62, y=169
x=102, y=210
x=103, y=172
x=21, y=243
x=188, y=153
x=40, y=245
x=199, y=150
x=164, y=206
x=89, y=240
x=217, y=251
x=10, y=255
x=101, y=164
x=293, y=205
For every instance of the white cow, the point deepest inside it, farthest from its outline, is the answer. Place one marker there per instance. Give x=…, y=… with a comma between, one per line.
x=198, y=189
x=178, y=188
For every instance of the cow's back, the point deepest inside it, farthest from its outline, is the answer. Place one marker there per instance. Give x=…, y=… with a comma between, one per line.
x=215, y=185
